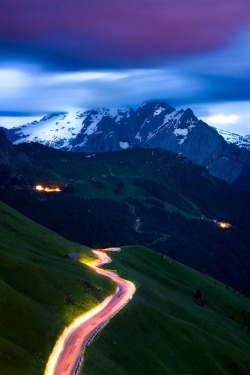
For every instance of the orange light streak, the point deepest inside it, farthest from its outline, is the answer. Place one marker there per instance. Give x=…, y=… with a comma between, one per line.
x=224, y=225
x=47, y=189
x=108, y=308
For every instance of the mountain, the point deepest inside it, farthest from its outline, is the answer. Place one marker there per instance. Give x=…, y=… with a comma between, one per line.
x=241, y=141
x=152, y=125
x=238, y=140
x=150, y=197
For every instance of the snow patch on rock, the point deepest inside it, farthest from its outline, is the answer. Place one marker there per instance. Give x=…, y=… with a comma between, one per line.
x=52, y=129
x=238, y=140
x=124, y=145
x=182, y=132
x=138, y=136
x=158, y=111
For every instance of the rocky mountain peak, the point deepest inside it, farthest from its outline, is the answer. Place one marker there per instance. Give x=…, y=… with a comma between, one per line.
x=155, y=124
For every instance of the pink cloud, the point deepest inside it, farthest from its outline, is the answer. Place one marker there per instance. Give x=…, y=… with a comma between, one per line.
x=118, y=29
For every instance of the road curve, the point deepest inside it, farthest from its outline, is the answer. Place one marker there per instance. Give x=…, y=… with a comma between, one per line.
x=66, y=357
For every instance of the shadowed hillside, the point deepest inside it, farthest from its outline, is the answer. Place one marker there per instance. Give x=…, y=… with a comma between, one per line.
x=41, y=292
x=148, y=197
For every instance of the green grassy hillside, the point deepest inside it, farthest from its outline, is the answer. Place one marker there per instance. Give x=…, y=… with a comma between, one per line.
x=147, y=197
x=41, y=292
x=165, y=330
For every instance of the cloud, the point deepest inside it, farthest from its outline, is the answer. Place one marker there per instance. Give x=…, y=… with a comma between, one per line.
x=118, y=33
x=231, y=116
x=217, y=77
x=12, y=80
x=60, y=55
x=204, y=78
x=45, y=91
x=77, y=77
x=221, y=119
x=13, y=121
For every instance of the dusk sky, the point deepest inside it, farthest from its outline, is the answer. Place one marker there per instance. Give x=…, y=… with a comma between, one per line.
x=57, y=55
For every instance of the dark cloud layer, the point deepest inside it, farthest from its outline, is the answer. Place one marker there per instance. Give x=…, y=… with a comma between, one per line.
x=62, y=54
x=117, y=32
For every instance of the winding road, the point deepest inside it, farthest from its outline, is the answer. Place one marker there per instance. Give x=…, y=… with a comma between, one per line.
x=67, y=355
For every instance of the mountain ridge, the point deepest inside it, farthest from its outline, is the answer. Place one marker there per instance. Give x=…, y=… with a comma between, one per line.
x=152, y=125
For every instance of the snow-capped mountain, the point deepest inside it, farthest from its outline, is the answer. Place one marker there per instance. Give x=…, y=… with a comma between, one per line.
x=238, y=140
x=60, y=130
x=152, y=125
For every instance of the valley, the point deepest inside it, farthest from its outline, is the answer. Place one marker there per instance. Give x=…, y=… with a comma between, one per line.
x=104, y=194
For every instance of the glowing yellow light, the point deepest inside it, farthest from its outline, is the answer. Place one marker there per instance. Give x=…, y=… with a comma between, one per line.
x=39, y=187
x=223, y=225
x=48, y=189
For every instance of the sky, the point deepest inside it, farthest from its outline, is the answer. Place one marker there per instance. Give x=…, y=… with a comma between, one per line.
x=58, y=55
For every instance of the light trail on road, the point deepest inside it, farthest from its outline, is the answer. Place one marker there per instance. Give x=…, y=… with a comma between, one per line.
x=66, y=356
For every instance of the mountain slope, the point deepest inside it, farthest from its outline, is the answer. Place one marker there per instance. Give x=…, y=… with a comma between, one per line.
x=152, y=125
x=10, y=161
x=142, y=196
x=165, y=330
x=238, y=140
x=41, y=292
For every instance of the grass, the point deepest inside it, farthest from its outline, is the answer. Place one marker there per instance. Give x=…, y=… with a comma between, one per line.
x=107, y=170
x=108, y=192
x=41, y=292
x=164, y=329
